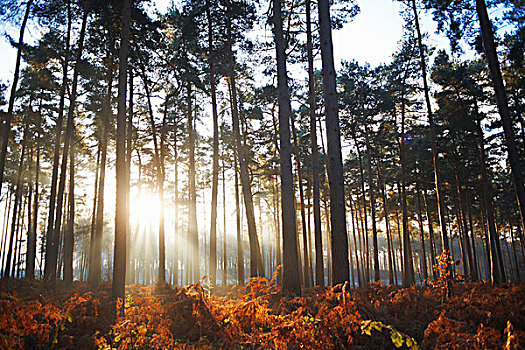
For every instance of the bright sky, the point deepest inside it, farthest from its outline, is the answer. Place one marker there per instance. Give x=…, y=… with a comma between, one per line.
x=371, y=37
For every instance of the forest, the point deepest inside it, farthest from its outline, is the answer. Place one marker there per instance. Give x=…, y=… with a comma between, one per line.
x=204, y=174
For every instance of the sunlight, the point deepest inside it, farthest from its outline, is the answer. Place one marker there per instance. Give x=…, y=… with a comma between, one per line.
x=145, y=208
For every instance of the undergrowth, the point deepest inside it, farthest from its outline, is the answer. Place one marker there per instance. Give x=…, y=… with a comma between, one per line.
x=261, y=316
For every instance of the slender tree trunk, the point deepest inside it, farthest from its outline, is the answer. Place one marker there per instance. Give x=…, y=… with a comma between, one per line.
x=69, y=237
x=371, y=189
x=50, y=241
x=32, y=239
x=307, y=276
x=240, y=248
x=465, y=236
x=357, y=264
x=215, y=172
x=130, y=271
x=339, y=240
x=161, y=178
x=224, y=270
x=193, y=233
x=387, y=226
x=291, y=269
x=122, y=182
x=176, y=250
x=256, y=266
x=408, y=267
x=366, y=251
x=430, y=234
x=423, y=256
x=435, y=155
x=491, y=56
x=513, y=245
x=6, y=129
x=476, y=273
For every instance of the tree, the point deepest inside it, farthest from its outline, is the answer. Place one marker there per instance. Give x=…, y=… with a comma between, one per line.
x=122, y=208
x=291, y=271
x=340, y=270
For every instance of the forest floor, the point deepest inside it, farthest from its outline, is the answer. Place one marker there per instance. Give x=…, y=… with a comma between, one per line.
x=260, y=316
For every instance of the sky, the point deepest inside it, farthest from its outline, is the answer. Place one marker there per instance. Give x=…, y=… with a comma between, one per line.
x=371, y=37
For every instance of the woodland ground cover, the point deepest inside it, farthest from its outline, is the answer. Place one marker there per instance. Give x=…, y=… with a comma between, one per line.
x=261, y=316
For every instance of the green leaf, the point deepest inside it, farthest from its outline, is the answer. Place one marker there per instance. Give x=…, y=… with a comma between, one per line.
x=397, y=339
x=70, y=318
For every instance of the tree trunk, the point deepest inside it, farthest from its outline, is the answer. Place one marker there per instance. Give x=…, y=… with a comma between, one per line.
x=430, y=234
x=476, y=272
x=340, y=270
x=465, y=236
x=371, y=190
x=366, y=251
x=224, y=255
x=69, y=237
x=256, y=266
x=32, y=239
x=291, y=270
x=435, y=155
x=122, y=182
x=307, y=276
x=423, y=255
x=161, y=178
x=215, y=172
x=130, y=271
x=357, y=263
x=408, y=267
x=193, y=232
x=491, y=55
x=388, y=238
x=6, y=130
x=240, y=247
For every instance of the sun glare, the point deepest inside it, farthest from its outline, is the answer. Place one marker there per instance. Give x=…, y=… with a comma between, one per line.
x=144, y=208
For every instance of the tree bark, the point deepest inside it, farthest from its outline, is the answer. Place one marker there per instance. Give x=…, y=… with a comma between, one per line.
x=318, y=239
x=122, y=182
x=371, y=189
x=491, y=56
x=256, y=266
x=193, y=232
x=435, y=152
x=215, y=171
x=339, y=240
x=291, y=270
x=240, y=247
x=32, y=239
x=69, y=237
